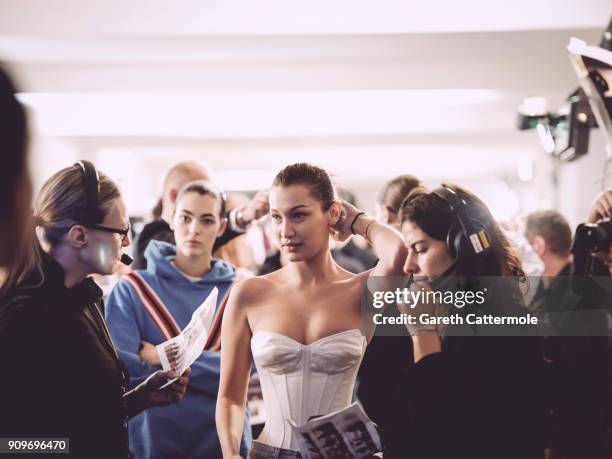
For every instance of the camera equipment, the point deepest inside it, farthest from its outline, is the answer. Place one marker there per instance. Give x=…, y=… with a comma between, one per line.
x=565, y=133
x=597, y=237
x=591, y=238
x=591, y=277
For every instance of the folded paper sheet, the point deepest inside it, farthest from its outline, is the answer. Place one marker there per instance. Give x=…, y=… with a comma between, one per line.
x=345, y=433
x=181, y=351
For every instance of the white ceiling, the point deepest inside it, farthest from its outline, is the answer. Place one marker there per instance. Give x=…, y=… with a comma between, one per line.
x=232, y=82
x=291, y=17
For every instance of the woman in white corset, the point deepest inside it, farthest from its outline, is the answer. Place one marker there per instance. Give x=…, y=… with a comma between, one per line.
x=302, y=324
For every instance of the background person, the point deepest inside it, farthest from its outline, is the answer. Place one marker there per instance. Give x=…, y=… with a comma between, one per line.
x=181, y=276
x=577, y=366
x=391, y=196
x=177, y=177
x=551, y=237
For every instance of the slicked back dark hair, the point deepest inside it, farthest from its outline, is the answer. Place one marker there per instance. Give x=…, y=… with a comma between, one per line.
x=316, y=179
x=204, y=188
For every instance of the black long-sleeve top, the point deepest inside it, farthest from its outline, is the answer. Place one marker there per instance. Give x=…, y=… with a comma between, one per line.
x=61, y=376
x=480, y=397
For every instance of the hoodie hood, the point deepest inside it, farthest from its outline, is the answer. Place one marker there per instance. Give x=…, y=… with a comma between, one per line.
x=160, y=255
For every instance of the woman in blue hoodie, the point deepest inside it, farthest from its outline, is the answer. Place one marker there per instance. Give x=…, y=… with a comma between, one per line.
x=180, y=278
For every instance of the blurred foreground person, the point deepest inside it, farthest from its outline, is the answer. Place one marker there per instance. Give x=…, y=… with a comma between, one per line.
x=62, y=377
x=15, y=184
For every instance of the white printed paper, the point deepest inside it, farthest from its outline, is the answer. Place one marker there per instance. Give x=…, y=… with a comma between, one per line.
x=345, y=433
x=181, y=351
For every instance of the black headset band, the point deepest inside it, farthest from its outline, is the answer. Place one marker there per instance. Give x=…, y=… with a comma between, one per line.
x=90, y=213
x=457, y=205
x=472, y=229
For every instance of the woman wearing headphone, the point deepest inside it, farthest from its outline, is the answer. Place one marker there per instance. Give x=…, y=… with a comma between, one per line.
x=62, y=377
x=467, y=396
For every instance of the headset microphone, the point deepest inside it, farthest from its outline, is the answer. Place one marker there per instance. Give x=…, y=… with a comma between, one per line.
x=126, y=259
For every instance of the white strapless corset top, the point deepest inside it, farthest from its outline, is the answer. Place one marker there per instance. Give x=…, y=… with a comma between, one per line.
x=299, y=381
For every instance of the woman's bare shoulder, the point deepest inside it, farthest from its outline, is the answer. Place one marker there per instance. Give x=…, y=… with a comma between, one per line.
x=252, y=289
x=351, y=278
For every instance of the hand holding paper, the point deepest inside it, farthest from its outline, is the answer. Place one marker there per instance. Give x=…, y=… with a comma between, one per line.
x=181, y=351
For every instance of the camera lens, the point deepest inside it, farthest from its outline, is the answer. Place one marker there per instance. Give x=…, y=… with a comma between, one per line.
x=594, y=237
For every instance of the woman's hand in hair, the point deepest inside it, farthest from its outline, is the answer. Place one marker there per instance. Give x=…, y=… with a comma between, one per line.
x=148, y=354
x=342, y=230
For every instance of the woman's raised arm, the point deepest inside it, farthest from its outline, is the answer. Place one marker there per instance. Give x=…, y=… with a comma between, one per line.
x=387, y=243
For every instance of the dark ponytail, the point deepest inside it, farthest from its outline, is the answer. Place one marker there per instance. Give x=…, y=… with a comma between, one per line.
x=316, y=179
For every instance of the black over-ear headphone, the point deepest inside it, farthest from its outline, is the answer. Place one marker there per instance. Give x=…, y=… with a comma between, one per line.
x=467, y=237
x=90, y=214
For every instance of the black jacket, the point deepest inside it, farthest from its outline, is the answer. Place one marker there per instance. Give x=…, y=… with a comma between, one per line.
x=159, y=230
x=577, y=376
x=61, y=376
x=481, y=397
